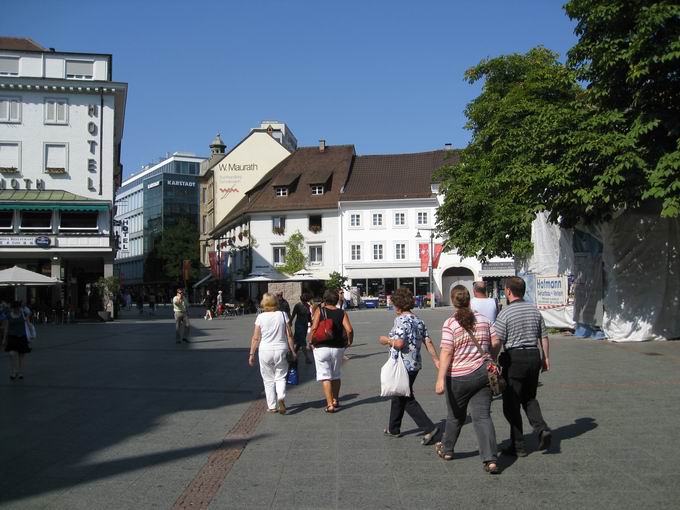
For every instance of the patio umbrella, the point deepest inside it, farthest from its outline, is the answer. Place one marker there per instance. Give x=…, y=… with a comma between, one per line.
x=303, y=274
x=18, y=276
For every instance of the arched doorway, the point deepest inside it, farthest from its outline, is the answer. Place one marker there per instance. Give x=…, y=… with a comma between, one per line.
x=456, y=276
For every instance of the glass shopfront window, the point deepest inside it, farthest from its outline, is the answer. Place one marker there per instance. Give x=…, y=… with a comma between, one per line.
x=422, y=286
x=407, y=283
x=359, y=284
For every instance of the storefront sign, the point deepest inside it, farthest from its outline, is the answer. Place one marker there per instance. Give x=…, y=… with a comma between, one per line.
x=43, y=241
x=16, y=184
x=18, y=240
x=188, y=184
x=153, y=185
x=551, y=290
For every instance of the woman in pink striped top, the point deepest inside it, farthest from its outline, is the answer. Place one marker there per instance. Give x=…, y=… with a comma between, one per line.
x=462, y=375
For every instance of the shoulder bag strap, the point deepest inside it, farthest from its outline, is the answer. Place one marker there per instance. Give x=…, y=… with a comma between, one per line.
x=479, y=347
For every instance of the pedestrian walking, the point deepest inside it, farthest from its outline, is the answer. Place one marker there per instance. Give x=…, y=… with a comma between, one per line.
x=152, y=304
x=207, y=303
x=272, y=340
x=328, y=352
x=520, y=327
x=482, y=303
x=284, y=306
x=180, y=307
x=302, y=313
x=15, y=340
x=407, y=336
x=463, y=377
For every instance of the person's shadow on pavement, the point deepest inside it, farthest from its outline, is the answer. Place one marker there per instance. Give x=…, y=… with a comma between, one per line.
x=579, y=427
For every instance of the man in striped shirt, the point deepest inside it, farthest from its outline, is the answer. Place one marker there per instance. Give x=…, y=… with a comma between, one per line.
x=520, y=327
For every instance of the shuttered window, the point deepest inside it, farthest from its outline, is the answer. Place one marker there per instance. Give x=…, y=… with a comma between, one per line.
x=9, y=66
x=78, y=69
x=56, y=111
x=10, y=109
x=56, y=158
x=10, y=156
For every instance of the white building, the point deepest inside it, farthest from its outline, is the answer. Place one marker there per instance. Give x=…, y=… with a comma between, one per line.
x=159, y=183
x=61, y=126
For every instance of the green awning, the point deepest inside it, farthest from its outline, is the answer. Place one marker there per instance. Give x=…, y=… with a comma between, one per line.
x=7, y=206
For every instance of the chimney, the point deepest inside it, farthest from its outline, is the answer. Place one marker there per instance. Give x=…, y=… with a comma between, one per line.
x=322, y=145
x=447, y=147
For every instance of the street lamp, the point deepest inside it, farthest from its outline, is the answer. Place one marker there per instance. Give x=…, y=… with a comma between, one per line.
x=418, y=236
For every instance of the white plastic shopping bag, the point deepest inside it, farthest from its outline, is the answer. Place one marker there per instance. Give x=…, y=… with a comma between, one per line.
x=394, y=378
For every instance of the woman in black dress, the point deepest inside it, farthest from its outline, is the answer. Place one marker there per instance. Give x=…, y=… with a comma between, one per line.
x=15, y=341
x=302, y=312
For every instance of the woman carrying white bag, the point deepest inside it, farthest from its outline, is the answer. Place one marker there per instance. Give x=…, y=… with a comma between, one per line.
x=399, y=373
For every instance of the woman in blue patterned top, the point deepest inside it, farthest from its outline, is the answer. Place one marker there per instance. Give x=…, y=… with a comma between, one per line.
x=407, y=336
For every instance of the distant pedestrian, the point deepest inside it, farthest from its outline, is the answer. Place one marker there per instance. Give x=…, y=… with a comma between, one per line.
x=482, y=303
x=520, y=327
x=328, y=354
x=463, y=377
x=180, y=307
x=273, y=340
x=284, y=306
x=406, y=337
x=302, y=313
x=140, y=303
x=14, y=340
x=152, y=304
x=207, y=303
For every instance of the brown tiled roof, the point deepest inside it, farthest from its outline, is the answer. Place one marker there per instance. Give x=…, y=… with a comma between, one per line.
x=389, y=176
x=305, y=164
x=19, y=43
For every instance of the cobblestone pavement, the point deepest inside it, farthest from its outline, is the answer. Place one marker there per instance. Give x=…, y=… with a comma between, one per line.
x=118, y=416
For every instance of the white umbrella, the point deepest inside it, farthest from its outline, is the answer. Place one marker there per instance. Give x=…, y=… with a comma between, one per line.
x=19, y=276
x=303, y=274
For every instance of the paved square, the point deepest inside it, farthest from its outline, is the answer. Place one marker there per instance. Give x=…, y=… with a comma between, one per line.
x=118, y=416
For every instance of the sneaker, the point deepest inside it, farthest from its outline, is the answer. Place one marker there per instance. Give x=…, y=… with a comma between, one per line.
x=544, y=440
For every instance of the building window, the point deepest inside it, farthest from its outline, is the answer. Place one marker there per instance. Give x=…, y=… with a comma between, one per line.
x=34, y=220
x=10, y=157
x=423, y=218
x=56, y=111
x=204, y=224
x=6, y=220
x=56, y=158
x=79, y=70
x=355, y=220
x=399, y=219
x=377, y=219
x=400, y=251
x=279, y=225
x=317, y=189
x=378, y=251
x=316, y=255
x=9, y=66
x=279, y=255
x=281, y=191
x=78, y=221
x=355, y=251
x=10, y=109
x=315, y=223
x=203, y=193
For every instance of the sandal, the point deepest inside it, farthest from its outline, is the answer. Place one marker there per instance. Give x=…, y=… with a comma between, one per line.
x=329, y=409
x=491, y=470
x=336, y=404
x=429, y=437
x=390, y=434
x=439, y=450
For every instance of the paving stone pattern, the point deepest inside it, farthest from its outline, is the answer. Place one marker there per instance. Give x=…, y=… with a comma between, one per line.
x=118, y=416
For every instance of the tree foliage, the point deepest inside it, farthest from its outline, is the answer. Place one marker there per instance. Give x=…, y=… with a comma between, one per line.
x=336, y=281
x=178, y=243
x=542, y=141
x=295, y=255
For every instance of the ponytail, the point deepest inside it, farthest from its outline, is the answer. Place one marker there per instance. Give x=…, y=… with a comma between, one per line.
x=460, y=298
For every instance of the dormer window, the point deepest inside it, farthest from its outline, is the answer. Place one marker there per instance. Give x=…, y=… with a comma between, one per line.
x=281, y=191
x=9, y=66
x=79, y=70
x=318, y=189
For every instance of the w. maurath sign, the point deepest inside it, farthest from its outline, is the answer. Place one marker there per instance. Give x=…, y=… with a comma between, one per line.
x=552, y=290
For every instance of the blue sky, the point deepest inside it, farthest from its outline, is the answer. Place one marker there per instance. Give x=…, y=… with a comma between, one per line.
x=386, y=76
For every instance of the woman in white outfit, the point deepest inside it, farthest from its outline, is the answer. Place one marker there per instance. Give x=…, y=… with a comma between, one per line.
x=274, y=338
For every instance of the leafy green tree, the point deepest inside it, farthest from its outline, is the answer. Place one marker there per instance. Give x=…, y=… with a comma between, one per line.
x=543, y=141
x=178, y=243
x=628, y=53
x=295, y=255
x=336, y=281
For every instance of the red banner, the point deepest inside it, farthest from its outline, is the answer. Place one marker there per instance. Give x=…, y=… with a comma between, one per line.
x=424, y=251
x=437, y=254
x=212, y=258
x=186, y=270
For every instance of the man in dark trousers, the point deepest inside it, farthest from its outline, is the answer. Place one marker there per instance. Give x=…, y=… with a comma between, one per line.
x=520, y=327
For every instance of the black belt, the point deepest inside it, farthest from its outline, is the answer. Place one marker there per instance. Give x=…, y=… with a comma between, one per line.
x=521, y=349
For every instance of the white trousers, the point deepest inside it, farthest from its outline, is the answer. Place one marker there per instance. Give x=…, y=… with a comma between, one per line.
x=274, y=369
